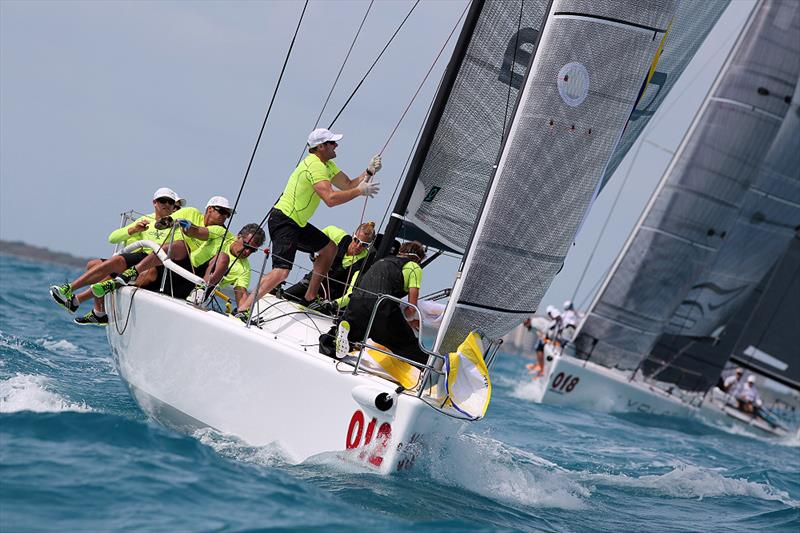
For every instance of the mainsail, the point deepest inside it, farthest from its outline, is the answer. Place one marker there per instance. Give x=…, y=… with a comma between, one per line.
x=584, y=81
x=695, y=207
x=456, y=157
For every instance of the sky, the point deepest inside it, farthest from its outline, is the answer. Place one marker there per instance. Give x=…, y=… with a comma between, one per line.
x=101, y=103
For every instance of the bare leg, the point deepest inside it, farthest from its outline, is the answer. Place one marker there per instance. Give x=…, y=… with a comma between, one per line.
x=321, y=267
x=275, y=277
x=99, y=272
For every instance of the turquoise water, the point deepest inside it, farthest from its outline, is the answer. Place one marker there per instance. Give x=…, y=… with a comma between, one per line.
x=77, y=454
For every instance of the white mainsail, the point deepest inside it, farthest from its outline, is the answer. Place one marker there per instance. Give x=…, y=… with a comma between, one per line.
x=579, y=92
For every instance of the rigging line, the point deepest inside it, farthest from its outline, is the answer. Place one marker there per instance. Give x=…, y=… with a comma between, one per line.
x=424, y=79
x=338, y=75
x=260, y=134
x=373, y=64
x=511, y=74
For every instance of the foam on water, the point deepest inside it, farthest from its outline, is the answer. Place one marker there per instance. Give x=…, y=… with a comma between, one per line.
x=495, y=470
x=234, y=448
x=690, y=481
x=25, y=392
x=62, y=346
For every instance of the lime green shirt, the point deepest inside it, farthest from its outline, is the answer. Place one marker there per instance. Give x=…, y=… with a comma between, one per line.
x=336, y=234
x=239, y=269
x=159, y=236
x=299, y=199
x=412, y=276
x=200, y=251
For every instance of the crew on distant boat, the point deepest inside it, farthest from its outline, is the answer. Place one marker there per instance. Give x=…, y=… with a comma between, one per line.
x=570, y=319
x=748, y=398
x=551, y=334
x=288, y=225
x=165, y=202
x=732, y=383
x=195, y=244
x=351, y=251
x=398, y=276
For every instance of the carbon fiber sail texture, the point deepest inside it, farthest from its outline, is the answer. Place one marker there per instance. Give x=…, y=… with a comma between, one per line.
x=460, y=160
x=591, y=62
x=700, y=196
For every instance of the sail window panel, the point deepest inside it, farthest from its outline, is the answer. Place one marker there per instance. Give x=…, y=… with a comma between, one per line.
x=693, y=21
x=550, y=169
x=460, y=160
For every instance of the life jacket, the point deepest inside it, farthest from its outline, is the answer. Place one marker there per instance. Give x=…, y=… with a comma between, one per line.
x=384, y=277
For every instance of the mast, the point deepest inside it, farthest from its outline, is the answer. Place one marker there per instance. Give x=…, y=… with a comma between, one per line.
x=442, y=95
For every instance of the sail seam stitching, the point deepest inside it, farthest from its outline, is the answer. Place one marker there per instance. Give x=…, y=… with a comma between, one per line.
x=571, y=14
x=496, y=309
x=751, y=107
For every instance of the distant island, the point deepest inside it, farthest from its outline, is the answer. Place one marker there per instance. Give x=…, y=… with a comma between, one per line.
x=38, y=253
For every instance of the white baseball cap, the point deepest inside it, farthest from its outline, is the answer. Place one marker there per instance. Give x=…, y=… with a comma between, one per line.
x=219, y=201
x=321, y=135
x=751, y=378
x=166, y=192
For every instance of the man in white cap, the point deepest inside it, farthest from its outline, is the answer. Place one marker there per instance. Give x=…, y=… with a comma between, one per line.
x=569, y=319
x=748, y=398
x=197, y=240
x=313, y=180
x=164, y=202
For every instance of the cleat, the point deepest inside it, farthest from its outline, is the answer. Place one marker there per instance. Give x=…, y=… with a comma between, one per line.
x=342, y=341
x=91, y=319
x=127, y=277
x=197, y=296
x=63, y=296
x=105, y=287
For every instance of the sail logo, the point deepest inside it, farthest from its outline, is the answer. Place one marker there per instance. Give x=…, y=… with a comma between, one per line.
x=432, y=194
x=573, y=83
x=518, y=56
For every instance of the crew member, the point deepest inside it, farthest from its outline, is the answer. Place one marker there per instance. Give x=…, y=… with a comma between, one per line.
x=748, y=398
x=398, y=276
x=288, y=225
x=351, y=250
x=144, y=228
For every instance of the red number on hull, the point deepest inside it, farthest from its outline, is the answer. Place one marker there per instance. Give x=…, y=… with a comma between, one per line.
x=356, y=430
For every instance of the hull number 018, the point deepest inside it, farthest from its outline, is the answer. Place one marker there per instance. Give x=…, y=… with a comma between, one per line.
x=562, y=383
x=359, y=433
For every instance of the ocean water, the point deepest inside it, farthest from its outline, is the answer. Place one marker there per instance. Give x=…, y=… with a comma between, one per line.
x=77, y=454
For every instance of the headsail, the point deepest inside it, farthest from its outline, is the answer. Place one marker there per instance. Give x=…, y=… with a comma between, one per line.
x=454, y=164
x=696, y=204
x=586, y=76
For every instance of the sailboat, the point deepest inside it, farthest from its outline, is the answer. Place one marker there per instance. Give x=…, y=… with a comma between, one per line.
x=549, y=88
x=723, y=213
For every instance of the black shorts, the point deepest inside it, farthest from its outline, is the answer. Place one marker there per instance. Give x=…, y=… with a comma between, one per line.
x=176, y=286
x=133, y=258
x=287, y=237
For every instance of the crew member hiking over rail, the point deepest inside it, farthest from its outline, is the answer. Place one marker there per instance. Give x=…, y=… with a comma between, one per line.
x=288, y=224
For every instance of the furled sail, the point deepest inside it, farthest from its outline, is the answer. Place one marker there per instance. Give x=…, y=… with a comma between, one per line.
x=580, y=90
x=454, y=166
x=696, y=204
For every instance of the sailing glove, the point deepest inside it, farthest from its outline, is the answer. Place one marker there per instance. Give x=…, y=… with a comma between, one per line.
x=374, y=165
x=184, y=224
x=368, y=188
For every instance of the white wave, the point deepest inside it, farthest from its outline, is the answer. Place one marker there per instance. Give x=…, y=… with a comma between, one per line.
x=26, y=392
x=529, y=389
x=492, y=469
x=234, y=448
x=60, y=346
x=690, y=481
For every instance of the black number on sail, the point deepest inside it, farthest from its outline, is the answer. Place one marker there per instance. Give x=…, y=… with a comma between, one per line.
x=518, y=52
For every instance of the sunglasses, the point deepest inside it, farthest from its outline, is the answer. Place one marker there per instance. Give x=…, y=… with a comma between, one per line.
x=221, y=210
x=249, y=248
x=168, y=201
x=334, y=143
x=365, y=244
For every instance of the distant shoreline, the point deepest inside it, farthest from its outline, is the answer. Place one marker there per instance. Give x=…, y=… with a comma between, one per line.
x=39, y=253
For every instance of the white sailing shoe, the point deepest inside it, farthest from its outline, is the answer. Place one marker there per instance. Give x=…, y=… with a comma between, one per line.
x=342, y=342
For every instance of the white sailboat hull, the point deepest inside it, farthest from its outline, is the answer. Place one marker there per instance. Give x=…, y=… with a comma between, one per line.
x=189, y=368
x=573, y=382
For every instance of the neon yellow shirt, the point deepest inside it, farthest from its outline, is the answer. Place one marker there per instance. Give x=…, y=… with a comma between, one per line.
x=412, y=276
x=200, y=251
x=299, y=199
x=159, y=236
x=239, y=269
x=336, y=234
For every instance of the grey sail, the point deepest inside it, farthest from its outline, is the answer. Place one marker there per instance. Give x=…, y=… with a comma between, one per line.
x=577, y=97
x=769, y=213
x=459, y=161
x=763, y=335
x=696, y=204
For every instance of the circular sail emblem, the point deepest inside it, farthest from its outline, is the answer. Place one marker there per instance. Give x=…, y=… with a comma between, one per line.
x=573, y=84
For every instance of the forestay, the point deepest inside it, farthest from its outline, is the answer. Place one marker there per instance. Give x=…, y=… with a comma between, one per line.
x=696, y=204
x=581, y=88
